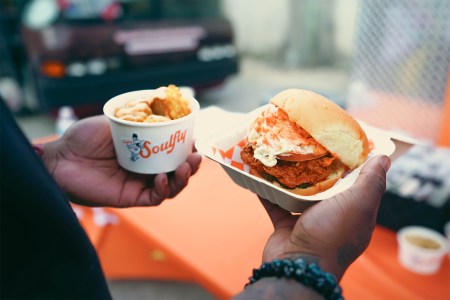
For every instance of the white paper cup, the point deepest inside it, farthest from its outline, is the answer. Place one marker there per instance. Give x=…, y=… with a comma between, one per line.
x=421, y=249
x=150, y=148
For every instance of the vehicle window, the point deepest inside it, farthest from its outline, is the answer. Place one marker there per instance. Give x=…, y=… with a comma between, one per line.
x=41, y=13
x=170, y=9
x=82, y=9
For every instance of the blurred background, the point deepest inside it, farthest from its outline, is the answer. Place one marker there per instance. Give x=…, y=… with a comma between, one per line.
x=386, y=62
x=374, y=59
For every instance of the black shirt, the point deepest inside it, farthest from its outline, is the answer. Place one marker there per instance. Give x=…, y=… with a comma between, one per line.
x=45, y=253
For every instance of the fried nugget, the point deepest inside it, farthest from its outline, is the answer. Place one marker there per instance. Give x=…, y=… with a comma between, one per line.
x=174, y=106
x=136, y=111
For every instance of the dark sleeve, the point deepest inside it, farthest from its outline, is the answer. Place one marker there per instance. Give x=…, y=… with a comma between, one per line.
x=45, y=253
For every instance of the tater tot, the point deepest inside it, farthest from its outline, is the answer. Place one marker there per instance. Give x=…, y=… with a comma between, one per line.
x=158, y=109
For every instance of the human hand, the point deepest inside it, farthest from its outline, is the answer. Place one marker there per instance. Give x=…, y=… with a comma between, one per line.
x=84, y=163
x=333, y=232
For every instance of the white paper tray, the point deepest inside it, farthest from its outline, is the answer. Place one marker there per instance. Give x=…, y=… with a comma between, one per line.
x=215, y=143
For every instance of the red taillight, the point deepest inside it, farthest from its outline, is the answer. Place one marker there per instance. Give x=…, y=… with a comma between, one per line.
x=53, y=69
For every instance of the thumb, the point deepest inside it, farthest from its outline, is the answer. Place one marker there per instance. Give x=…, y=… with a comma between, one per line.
x=374, y=173
x=371, y=183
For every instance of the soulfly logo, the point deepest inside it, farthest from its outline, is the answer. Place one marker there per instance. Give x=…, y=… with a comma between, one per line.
x=144, y=149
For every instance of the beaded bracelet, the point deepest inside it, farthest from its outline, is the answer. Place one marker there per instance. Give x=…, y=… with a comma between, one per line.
x=309, y=275
x=39, y=149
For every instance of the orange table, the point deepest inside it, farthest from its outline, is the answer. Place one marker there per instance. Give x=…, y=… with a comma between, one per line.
x=377, y=274
x=213, y=234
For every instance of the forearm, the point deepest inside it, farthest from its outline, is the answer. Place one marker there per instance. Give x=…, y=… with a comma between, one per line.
x=277, y=288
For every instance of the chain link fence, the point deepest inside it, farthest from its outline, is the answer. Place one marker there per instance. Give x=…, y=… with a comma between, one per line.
x=401, y=64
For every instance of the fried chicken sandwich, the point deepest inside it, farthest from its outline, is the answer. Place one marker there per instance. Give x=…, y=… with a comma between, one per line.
x=304, y=142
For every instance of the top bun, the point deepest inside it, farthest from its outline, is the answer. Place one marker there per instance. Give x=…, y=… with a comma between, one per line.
x=327, y=123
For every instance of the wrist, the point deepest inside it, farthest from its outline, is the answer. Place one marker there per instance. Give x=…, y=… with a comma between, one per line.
x=277, y=288
x=308, y=274
x=326, y=265
x=48, y=155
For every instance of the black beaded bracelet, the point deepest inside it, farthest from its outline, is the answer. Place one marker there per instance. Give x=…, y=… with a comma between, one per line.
x=308, y=274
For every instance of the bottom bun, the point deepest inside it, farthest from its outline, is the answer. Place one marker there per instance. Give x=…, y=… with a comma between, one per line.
x=338, y=170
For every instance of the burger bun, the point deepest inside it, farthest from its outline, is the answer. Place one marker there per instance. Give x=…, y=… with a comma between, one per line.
x=329, y=124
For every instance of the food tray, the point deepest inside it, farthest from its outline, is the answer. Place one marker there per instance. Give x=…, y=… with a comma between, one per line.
x=224, y=147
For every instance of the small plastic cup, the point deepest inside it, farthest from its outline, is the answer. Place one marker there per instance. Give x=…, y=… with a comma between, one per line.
x=151, y=148
x=421, y=250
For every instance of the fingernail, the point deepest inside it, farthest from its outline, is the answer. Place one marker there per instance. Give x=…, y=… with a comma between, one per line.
x=385, y=163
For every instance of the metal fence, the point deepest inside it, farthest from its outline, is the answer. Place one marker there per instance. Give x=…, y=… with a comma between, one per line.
x=401, y=64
